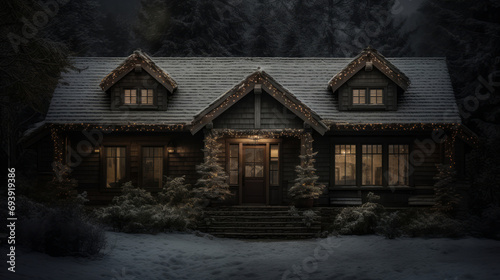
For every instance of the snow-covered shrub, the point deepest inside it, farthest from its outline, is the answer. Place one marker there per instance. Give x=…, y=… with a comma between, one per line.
x=361, y=219
x=293, y=211
x=137, y=210
x=175, y=191
x=487, y=225
x=309, y=217
x=433, y=224
x=389, y=225
x=58, y=231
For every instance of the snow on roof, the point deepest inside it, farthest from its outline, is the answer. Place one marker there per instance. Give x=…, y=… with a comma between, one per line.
x=79, y=99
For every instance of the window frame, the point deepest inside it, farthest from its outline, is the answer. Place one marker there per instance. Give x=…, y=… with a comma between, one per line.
x=385, y=142
x=141, y=162
x=138, y=104
x=367, y=98
x=103, y=168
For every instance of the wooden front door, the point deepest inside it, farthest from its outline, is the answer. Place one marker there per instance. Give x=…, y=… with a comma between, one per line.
x=254, y=185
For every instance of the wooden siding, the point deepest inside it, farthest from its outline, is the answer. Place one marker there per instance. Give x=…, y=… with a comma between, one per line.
x=368, y=79
x=273, y=115
x=138, y=80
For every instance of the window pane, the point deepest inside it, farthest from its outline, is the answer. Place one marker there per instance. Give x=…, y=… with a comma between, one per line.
x=372, y=165
x=345, y=165
x=115, y=166
x=259, y=170
x=152, y=167
x=130, y=96
x=249, y=170
x=233, y=150
x=233, y=177
x=376, y=96
x=398, y=165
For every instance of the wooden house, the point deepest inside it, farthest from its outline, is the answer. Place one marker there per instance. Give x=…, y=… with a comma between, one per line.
x=378, y=124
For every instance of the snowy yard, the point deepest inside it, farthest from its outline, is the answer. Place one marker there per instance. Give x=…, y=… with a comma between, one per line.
x=187, y=256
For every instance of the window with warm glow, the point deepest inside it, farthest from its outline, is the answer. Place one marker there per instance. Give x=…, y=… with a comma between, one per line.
x=152, y=167
x=234, y=164
x=138, y=97
x=274, y=178
x=147, y=97
x=376, y=97
x=367, y=97
x=358, y=96
x=115, y=158
x=345, y=165
x=372, y=165
x=130, y=96
x=398, y=165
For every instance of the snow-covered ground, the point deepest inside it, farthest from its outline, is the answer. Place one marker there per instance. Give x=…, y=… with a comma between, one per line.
x=187, y=256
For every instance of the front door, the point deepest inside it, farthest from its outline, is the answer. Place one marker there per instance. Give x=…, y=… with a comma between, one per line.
x=254, y=187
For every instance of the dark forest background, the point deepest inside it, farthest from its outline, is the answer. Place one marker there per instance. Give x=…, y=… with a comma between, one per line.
x=39, y=37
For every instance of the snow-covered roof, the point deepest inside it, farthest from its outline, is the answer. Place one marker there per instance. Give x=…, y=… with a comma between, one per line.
x=79, y=99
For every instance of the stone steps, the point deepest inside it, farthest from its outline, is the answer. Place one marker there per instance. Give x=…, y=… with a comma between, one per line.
x=258, y=222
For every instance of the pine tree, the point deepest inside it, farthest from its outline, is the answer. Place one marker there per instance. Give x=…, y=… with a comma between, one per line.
x=306, y=186
x=213, y=182
x=447, y=196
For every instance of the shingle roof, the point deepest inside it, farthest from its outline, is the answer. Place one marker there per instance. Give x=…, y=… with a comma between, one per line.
x=79, y=99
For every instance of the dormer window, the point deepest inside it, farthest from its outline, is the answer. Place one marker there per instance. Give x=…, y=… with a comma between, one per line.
x=147, y=97
x=367, y=96
x=130, y=97
x=138, y=97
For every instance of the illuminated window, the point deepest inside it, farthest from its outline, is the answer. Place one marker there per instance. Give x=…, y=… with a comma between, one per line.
x=372, y=165
x=152, y=167
x=398, y=165
x=130, y=96
x=274, y=178
x=138, y=97
x=345, y=165
x=115, y=158
x=234, y=164
x=358, y=96
x=368, y=97
x=147, y=97
x=376, y=97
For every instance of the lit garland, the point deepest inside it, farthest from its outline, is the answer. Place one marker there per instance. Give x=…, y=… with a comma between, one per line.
x=259, y=134
x=378, y=60
x=241, y=90
x=137, y=57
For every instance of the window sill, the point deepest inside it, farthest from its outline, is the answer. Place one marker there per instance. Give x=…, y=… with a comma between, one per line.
x=367, y=107
x=368, y=188
x=138, y=107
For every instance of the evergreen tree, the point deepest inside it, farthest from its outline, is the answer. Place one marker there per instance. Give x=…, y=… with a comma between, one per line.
x=213, y=182
x=447, y=196
x=31, y=66
x=305, y=186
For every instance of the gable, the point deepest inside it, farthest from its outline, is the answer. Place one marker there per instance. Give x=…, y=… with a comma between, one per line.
x=257, y=83
x=138, y=61
x=369, y=59
x=138, y=80
x=269, y=115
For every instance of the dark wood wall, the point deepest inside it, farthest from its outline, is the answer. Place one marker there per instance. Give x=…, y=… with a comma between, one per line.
x=273, y=115
x=368, y=79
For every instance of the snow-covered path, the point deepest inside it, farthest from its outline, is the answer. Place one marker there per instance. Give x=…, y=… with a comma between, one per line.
x=186, y=256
